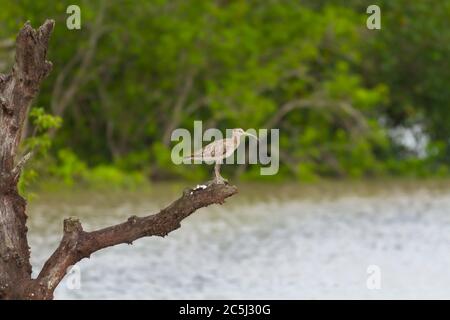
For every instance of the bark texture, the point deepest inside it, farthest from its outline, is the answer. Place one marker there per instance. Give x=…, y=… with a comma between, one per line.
x=77, y=244
x=17, y=90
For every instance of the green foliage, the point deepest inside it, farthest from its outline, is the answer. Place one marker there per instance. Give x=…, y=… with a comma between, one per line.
x=73, y=171
x=235, y=64
x=69, y=168
x=110, y=177
x=42, y=122
x=411, y=58
x=27, y=178
x=38, y=142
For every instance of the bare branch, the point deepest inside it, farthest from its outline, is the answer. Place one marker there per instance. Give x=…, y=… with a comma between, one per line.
x=21, y=163
x=17, y=89
x=77, y=244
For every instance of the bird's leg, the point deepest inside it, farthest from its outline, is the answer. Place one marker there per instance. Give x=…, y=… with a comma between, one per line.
x=217, y=177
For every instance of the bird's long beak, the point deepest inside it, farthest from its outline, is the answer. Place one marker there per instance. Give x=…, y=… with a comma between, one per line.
x=251, y=135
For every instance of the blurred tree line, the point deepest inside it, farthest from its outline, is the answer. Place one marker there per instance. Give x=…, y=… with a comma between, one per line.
x=349, y=102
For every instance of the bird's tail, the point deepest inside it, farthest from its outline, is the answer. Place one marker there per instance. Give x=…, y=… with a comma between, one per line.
x=193, y=156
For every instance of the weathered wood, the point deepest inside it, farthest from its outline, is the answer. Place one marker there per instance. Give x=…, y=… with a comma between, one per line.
x=17, y=90
x=78, y=244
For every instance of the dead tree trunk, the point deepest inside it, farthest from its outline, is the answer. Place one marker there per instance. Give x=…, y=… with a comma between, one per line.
x=17, y=90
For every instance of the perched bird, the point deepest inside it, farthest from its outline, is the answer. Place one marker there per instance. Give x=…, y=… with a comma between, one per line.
x=219, y=150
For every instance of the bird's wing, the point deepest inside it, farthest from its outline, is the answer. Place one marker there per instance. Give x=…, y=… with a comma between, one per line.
x=197, y=154
x=214, y=149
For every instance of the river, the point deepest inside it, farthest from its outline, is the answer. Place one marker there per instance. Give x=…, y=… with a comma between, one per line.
x=377, y=240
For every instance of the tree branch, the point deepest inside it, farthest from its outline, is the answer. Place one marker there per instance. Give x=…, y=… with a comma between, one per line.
x=77, y=244
x=319, y=101
x=61, y=97
x=20, y=164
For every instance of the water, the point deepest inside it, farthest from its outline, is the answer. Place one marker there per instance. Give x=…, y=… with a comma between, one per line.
x=267, y=242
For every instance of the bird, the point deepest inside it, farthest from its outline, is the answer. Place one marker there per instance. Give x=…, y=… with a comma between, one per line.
x=219, y=150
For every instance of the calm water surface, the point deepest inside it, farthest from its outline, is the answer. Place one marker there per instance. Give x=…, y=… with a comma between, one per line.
x=267, y=242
